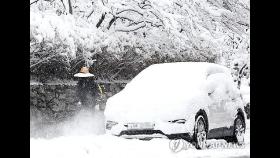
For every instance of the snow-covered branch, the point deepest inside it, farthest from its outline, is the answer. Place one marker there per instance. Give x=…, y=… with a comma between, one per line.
x=34, y=2
x=130, y=10
x=132, y=28
x=163, y=30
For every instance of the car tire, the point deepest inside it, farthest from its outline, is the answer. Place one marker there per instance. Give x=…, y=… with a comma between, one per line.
x=239, y=130
x=200, y=132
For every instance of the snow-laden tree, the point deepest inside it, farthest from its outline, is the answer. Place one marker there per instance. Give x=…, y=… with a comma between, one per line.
x=199, y=30
x=58, y=38
x=179, y=27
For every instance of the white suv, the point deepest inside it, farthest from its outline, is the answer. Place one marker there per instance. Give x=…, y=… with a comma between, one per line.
x=190, y=100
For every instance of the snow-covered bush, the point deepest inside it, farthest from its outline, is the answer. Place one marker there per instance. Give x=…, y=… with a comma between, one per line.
x=169, y=30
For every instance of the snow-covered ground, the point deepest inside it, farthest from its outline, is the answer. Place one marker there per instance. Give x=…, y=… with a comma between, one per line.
x=84, y=137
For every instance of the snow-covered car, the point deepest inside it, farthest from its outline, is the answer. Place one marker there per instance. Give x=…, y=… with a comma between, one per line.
x=191, y=100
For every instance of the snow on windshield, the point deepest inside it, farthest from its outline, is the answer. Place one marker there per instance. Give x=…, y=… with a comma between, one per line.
x=181, y=73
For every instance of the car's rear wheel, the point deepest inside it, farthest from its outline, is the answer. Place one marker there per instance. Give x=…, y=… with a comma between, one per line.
x=239, y=130
x=200, y=133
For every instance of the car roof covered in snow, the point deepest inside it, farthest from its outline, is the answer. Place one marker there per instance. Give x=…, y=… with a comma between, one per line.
x=179, y=72
x=190, y=67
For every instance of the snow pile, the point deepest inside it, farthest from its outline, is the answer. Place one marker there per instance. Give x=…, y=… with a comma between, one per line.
x=92, y=142
x=83, y=123
x=108, y=146
x=170, y=91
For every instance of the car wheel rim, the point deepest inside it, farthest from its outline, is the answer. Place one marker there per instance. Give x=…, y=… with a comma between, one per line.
x=239, y=131
x=201, y=134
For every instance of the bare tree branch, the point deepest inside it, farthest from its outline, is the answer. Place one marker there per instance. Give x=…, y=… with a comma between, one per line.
x=102, y=2
x=34, y=2
x=130, y=30
x=144, y=6
x=63, y=4
x=111, y=22
x=157, y=17
x=101, y=20
x=43, y=60
x=178, y=4
x=126, y=10
x=152, y=24
x=135, y=23
x=70, y=7
x=90, y=13
x=124, y=18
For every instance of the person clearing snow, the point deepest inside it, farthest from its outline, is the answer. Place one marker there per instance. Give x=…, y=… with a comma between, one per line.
x=86, y=88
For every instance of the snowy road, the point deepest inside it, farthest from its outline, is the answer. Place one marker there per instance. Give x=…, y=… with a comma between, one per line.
x=84, y=140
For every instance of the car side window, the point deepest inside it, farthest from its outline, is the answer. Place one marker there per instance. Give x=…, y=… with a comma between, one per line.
x=219, y=85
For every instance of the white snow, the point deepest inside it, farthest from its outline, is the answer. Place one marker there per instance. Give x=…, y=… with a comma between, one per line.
x=65, y=30
x=245, y=90
x=83, y=137
x=107, y=146
x=172, y=27
x=88, y=145
x=222, y=86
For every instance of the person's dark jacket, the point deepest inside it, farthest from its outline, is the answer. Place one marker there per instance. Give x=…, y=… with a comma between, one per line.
x=87, y=91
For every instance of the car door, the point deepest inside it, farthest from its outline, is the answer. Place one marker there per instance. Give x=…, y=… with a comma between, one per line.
x=221, y=109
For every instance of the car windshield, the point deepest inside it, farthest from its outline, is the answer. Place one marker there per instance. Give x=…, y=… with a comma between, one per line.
x=167, y=76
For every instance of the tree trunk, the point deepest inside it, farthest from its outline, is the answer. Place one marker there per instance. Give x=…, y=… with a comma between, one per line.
x=240, y=75
x=70, y=7
x=101, y=20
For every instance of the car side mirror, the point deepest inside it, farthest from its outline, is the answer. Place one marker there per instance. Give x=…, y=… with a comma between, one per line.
x=210, y=93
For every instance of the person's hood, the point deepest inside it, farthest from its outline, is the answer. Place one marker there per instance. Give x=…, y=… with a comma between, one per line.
x=83, y=75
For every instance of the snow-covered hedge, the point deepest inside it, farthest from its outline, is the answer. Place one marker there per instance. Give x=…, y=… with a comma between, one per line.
x=171, y=30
